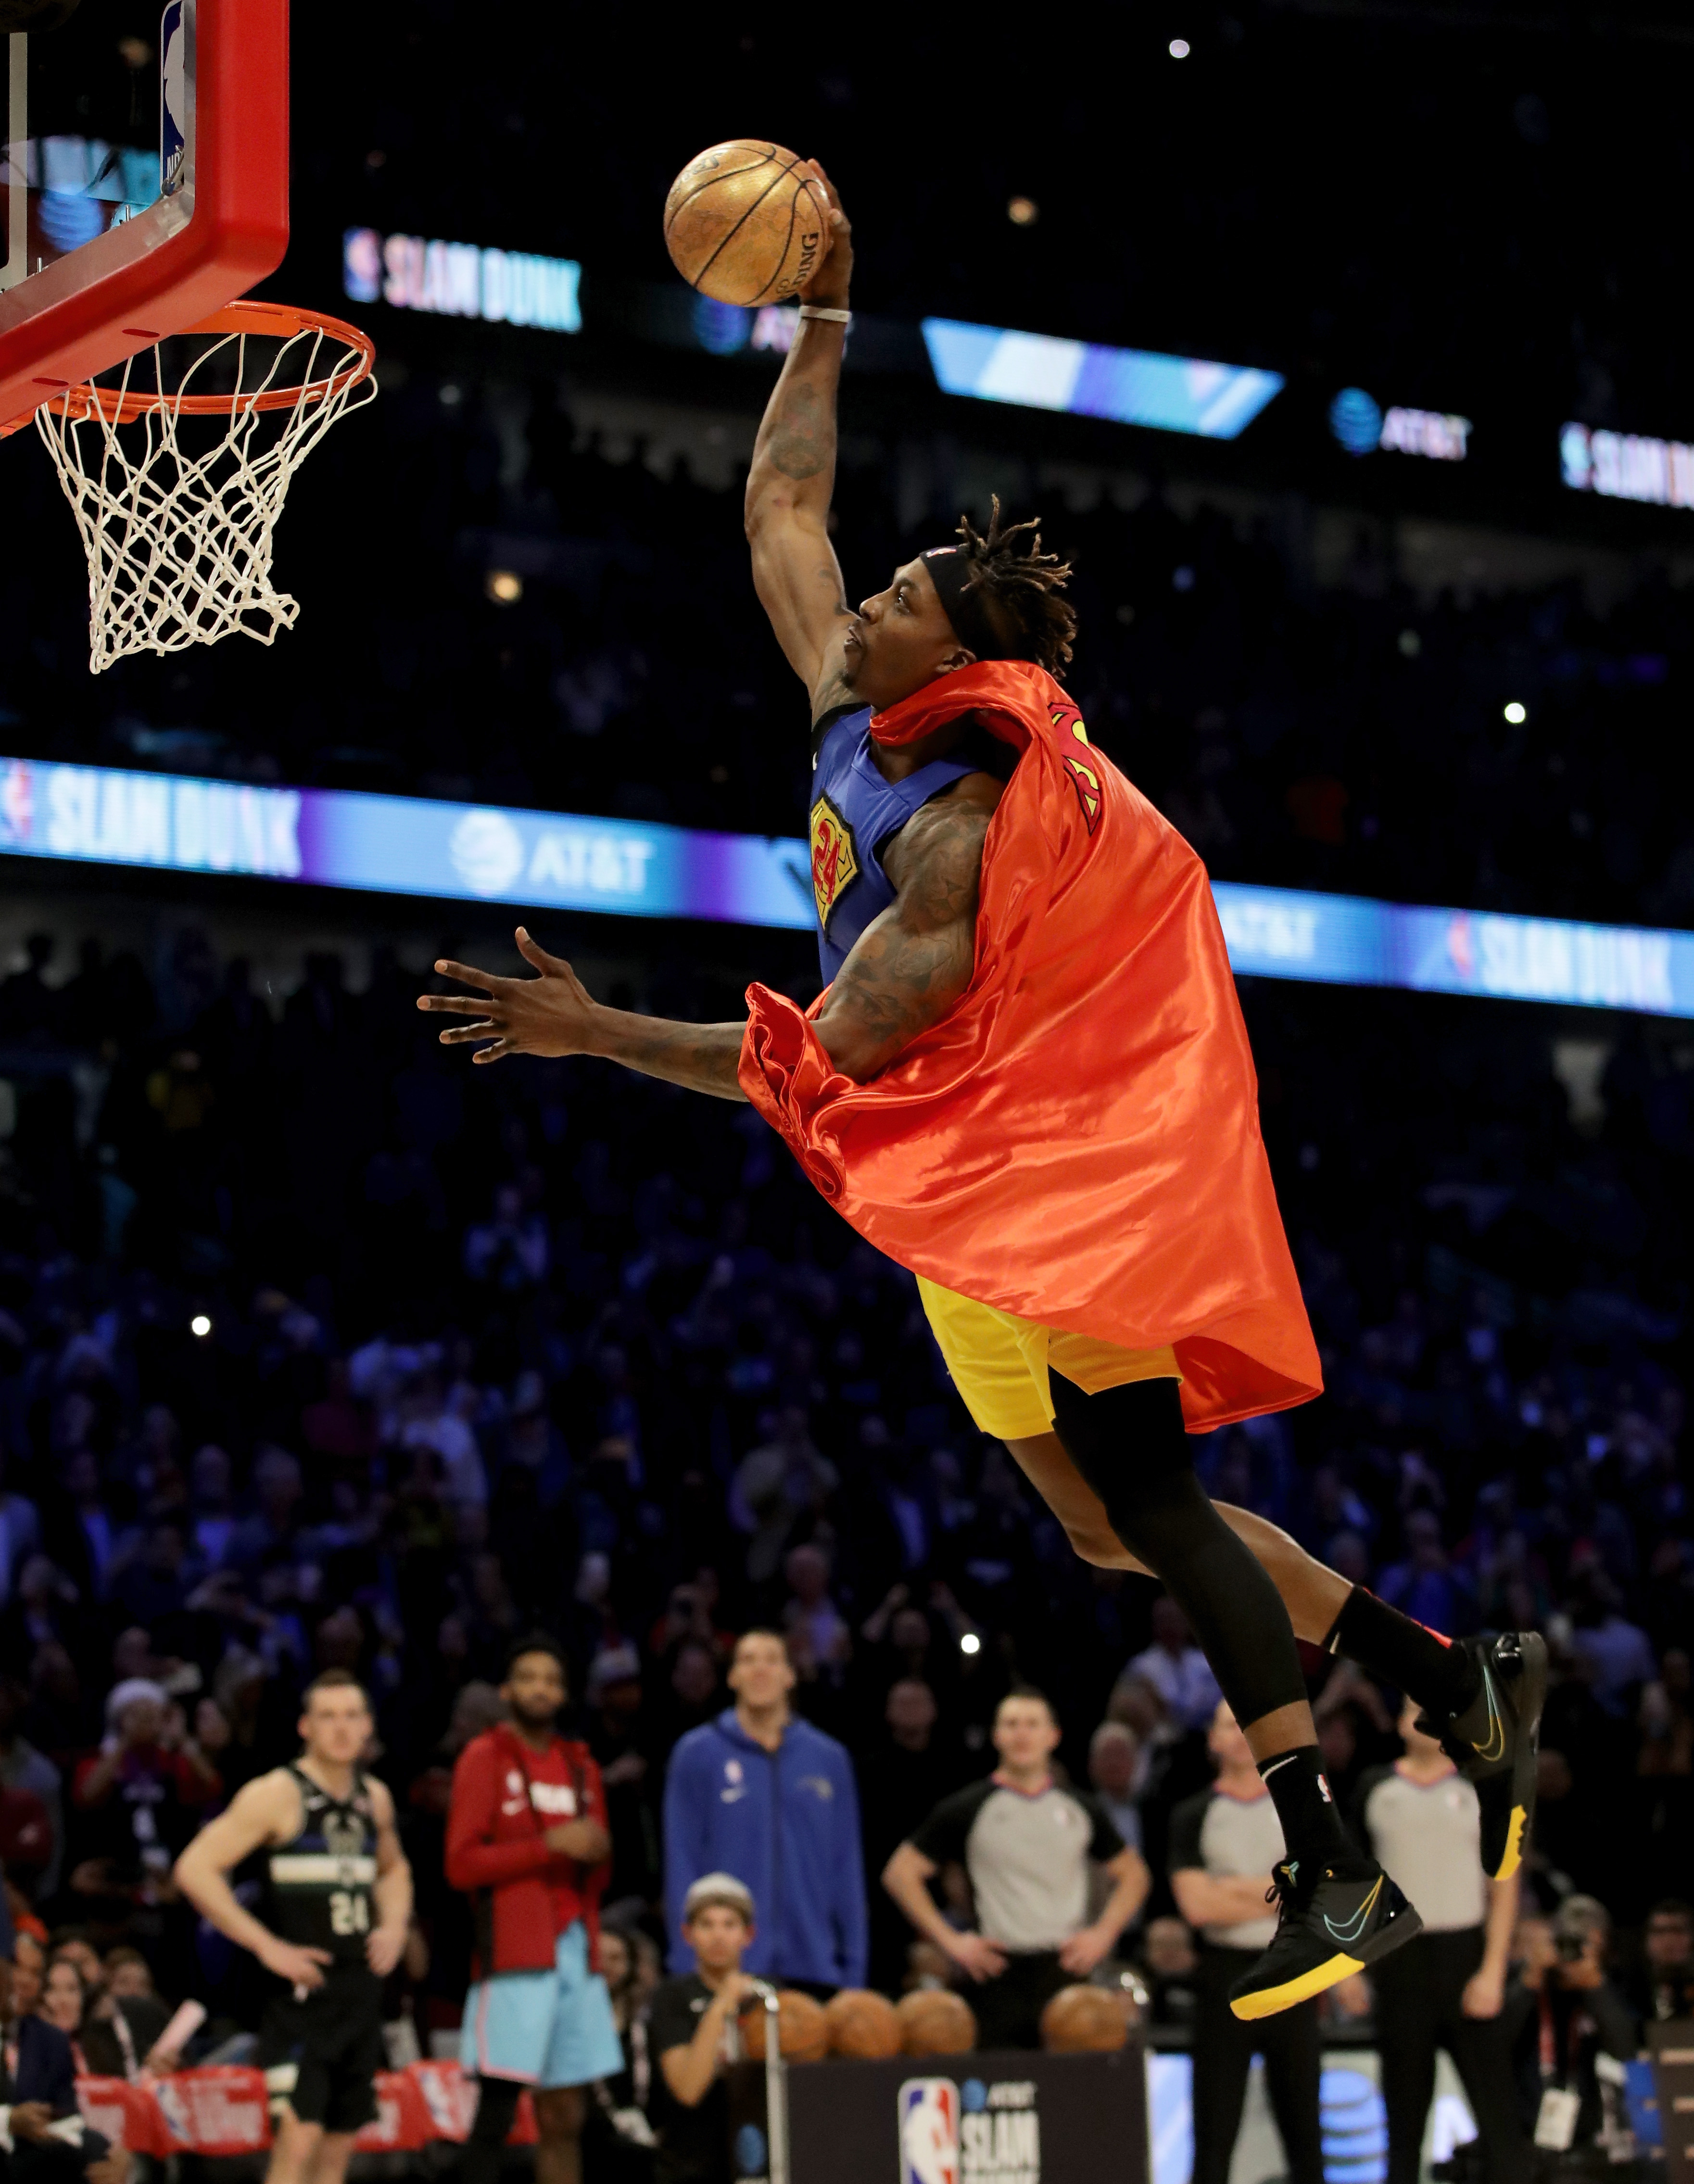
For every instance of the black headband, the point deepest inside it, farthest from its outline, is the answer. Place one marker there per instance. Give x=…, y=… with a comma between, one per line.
x=950, y=572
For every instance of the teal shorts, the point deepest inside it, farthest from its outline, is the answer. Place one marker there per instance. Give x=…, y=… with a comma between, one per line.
x=543, y=2029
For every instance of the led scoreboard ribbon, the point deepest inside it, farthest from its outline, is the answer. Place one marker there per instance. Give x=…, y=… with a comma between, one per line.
x=413, y=845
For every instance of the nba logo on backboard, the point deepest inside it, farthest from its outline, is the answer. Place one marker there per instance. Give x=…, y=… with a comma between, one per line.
x=929, y=2131
x=173, y=96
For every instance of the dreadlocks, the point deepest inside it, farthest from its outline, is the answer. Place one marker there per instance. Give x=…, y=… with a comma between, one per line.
x=1018, y=586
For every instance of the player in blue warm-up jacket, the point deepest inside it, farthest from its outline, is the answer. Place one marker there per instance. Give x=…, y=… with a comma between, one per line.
x=764, y=1795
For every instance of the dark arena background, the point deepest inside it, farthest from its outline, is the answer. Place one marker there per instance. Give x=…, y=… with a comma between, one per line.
x=1341, y=347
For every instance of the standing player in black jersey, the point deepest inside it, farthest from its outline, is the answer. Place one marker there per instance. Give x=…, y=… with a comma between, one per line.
x=340, y=1900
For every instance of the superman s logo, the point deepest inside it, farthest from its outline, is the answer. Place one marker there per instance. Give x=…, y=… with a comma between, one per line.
x=835, y=860
x=1083, y=778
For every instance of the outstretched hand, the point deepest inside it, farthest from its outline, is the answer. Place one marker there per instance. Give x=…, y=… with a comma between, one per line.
x=549, y=1015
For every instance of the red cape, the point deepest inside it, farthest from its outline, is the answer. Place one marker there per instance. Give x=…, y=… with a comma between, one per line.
x=1078, y=1140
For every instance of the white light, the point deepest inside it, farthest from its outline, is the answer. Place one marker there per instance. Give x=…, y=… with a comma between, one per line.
x=200, y=1325
x=1022, y=212
x=1179, y=49
x=1516, y=714
x=505, y=587
x=970, y=1643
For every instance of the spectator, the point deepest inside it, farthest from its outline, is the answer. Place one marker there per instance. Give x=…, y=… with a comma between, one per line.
x=37, y=2088
x=425, y=1420
x=1662, y=1985
x=138, y=1802
x=29, y=1971
x=907, y=1773
x=1445, y=1988
x=213, y=1505
x=614, y=1701
x=780, y=1483
x=22, y=1768
x=811, y=1609
x=1425, y=1585
x=1170, y=1966
x=1026, y=1843
x=618, y=2143
x=1223, y=1843
x=1615, y=1653
x=509, y=1251
x=1563, y=2016
x=1116, y=1772
x=271, y=1534
x=65, y=2002
x=765, y=1796
x=20, y=1532
x=1174, y=1669
x=81, y=1532
x=694, y=2032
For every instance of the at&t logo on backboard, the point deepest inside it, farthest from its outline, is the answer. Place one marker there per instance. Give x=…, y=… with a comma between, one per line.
x=929, y=2131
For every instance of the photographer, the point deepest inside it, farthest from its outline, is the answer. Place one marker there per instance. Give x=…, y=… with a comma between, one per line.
x=1561, y=2014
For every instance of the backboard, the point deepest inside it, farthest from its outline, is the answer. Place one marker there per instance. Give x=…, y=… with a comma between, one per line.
x=143, y=178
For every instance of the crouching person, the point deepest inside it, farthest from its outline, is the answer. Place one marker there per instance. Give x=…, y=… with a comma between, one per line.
x=693, y=2034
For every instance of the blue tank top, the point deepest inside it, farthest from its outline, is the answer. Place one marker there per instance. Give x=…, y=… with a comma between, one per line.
x=854, y=811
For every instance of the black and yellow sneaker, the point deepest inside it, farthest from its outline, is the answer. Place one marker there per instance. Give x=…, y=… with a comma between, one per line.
x=1332, y=1923
x=1494, y=1741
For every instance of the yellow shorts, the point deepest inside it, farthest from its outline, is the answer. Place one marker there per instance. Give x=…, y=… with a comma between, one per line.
x=999, y=1362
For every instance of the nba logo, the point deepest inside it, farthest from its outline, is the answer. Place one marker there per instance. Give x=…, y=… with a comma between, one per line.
x=929, y=2131
x=173, y=97
x=16, y=802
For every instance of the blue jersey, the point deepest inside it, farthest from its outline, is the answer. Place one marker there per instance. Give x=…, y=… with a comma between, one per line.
x=854, y=812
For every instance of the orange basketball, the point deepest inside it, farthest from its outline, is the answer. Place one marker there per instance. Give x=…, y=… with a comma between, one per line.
x=1084, y=2020
x=863, y=2025
x=934, y=2022
x=747, y=223
x=803, y=2030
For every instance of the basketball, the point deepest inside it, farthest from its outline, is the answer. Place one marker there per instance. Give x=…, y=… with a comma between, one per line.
x=934, y=2022
x=804, y=2031
x=1084, y=2020
x=747, y=223
x=863, y=2025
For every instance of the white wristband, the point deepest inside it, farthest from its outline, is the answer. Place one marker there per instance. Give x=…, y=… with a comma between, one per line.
x=819, y=311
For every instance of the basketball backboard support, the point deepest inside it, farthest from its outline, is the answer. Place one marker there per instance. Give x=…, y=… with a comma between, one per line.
x=143, y=181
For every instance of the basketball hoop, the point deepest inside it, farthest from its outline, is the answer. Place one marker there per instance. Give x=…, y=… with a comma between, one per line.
x=178, y=527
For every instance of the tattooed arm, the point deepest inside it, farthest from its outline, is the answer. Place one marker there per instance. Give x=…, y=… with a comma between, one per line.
x=906, y=970
x=788, y=487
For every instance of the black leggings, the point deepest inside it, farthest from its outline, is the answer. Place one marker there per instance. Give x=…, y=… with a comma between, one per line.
x=1129, y=1444
x=1223, y=2053
x=1419, y=2008
x=497, y=2100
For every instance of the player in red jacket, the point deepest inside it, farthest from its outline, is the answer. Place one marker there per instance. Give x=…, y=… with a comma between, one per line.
x=526, y=1839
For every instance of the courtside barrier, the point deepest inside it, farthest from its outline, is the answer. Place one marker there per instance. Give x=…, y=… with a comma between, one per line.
x=222, y=2108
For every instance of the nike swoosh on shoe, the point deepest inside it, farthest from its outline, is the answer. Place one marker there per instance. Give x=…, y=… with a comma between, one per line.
x=1495, y=1746
x=1354, y=1926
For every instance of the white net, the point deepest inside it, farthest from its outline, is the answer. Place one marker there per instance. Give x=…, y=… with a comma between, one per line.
x=176, y=489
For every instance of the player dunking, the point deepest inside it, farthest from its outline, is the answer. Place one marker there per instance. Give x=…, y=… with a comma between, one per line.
x=1027, y=1079
x=339, y=1903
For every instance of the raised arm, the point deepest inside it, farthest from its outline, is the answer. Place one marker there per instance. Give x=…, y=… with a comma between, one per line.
x=788, y=487
x=906, y=970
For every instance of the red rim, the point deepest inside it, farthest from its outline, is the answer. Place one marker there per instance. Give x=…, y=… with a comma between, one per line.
x=278, y=321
